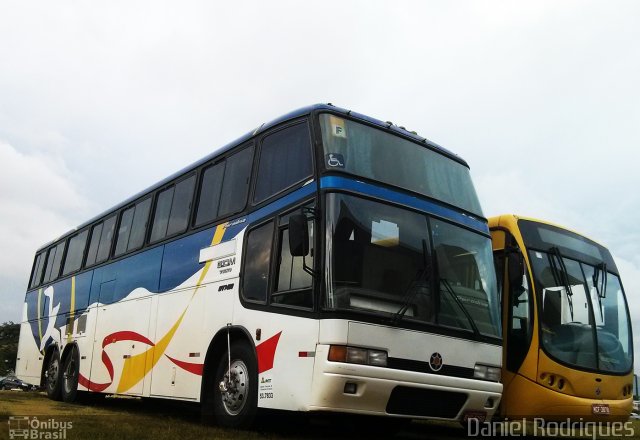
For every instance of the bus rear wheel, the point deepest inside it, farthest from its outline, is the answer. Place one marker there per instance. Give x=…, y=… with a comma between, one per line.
x=52, y=377
x=235, y=400
x=70, y=370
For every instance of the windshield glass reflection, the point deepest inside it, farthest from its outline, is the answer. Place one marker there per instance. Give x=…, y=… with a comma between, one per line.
x=578, y=325
x=380, y=260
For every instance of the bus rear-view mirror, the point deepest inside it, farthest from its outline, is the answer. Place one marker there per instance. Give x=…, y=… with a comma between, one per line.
x=516, y=268
x=298, y=235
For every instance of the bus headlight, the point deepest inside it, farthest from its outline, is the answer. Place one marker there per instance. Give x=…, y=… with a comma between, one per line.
x=486, y=372
x=378, y=358
x=356, y=355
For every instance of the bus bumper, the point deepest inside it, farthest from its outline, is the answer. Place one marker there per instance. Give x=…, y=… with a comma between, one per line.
x=365, y=389
x=542, y=402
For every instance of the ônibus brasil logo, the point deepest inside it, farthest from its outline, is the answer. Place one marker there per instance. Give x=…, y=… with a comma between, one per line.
x=25, y=427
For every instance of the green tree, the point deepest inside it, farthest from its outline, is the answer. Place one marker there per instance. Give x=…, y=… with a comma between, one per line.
x=9, y=334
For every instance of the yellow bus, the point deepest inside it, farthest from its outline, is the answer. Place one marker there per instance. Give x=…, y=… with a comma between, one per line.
x=568, y=348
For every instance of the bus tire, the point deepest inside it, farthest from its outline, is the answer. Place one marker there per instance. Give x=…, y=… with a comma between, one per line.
x=69, y=376
x=235, y=403
x=53, y=376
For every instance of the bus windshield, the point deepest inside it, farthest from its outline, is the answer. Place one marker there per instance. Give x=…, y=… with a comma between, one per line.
x=407, y=266
x=368, y=152
x=583, y=311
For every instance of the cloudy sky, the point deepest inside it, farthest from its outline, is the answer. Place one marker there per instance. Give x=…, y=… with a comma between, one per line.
x=99, y=100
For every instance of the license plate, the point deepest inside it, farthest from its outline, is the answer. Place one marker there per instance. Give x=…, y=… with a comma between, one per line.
x=600, y=409
x=480, y=416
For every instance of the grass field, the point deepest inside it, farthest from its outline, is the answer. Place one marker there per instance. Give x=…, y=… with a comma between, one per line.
x=123, y=418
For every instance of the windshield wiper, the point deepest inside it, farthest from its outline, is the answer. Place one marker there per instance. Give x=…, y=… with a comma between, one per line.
x=414, y=288
x=451, y=292
x=602, y=289
x=561, y=276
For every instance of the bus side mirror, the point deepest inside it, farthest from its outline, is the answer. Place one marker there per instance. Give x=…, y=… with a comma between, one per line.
x=516, y=268
x=298, y=235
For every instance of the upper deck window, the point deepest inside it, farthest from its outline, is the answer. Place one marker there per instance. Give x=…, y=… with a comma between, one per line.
x=100, y=243
x=139, y=226
x=210, y=191
x=106, y=238
x=372, y=153
x=133, y=226
x=224, y=187
x=173, y=209
x=285, y=159
x=235, y=186
x=38, y=267
x=75, y=253
x=54, y=258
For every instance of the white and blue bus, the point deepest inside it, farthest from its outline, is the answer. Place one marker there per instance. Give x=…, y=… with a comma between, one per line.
x=326, y=261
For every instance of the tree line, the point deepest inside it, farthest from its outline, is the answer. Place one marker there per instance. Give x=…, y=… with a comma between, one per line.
x=9, y=334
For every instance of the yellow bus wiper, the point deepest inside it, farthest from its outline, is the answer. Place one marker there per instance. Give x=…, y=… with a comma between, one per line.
x=600, y=284
x=561, y=276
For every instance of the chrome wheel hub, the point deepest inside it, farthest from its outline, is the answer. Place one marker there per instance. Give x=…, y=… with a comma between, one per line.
x=234, y=387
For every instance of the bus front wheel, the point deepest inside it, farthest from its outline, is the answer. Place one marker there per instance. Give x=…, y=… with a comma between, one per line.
x=236, y=381
x=52, y=377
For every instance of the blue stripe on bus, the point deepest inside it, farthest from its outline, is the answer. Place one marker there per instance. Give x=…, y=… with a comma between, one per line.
x=156, y=270
x=339, y=182
x=165, y=267
x=294, y=197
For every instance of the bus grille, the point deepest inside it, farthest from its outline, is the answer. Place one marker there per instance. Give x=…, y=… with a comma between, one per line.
x=425, y=403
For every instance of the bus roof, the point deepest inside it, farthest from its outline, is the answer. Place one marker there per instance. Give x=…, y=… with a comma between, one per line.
x=304, y=111
x=496, y=220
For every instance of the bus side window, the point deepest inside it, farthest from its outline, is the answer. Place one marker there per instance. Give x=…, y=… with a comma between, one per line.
x=210, y=191
x=161, y=216
x=139, y=226
x=38, y=267
x=293, y=285
x=124, y=231
x=285, y=159
x=133, y=225
x=173, y=209
x=75, y=253
x=235, y=185
x=93, y=244
x=257, y=263
x=106, y=237
x=181, y=207
x=54, y=258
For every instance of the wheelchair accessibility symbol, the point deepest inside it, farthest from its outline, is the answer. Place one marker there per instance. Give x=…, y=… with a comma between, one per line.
x=335, y=160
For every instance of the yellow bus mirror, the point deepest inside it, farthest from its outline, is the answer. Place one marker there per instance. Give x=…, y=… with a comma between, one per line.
x=515, y=268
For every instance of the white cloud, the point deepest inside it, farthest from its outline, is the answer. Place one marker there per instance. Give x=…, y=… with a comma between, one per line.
x=101, y=100
x=38, y=201
x=512, y=192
